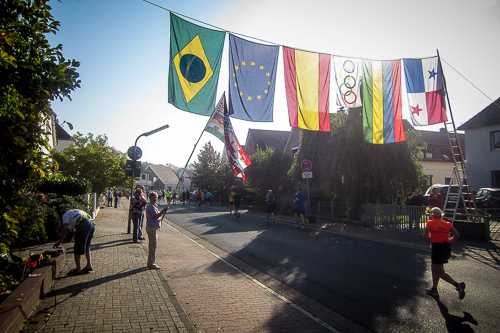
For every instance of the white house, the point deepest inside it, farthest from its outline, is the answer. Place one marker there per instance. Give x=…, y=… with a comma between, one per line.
x=482, y=142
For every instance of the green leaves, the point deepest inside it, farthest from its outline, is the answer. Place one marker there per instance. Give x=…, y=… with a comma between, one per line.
x=93, y=160
x=32, y=74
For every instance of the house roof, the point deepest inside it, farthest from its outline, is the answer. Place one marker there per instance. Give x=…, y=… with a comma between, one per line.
x=293, y=140
x=61, y=134
x=265, y=139
x=490, y=115
x=438, y=139
x=164, y=173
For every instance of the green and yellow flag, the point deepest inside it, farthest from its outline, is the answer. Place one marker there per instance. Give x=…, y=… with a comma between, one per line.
x=195, y=58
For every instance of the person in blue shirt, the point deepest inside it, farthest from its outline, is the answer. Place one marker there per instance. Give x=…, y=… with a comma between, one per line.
x=300, y=207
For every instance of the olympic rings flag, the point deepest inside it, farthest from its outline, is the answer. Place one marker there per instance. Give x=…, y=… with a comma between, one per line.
x=348, y=78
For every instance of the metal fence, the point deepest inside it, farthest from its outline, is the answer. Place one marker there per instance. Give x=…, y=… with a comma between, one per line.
x=396, y=217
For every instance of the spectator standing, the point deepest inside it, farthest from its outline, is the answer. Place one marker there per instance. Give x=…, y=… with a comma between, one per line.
x=270, y=201
x=153, y=225
x=137, y=207
x=438, y=231
x=415, y=199
x=187, y=197
x=110, y=197
x=300, y=207
x=183, y=197
x=85, y=227
x=174, y=197
x=435, y=199
x=120, y=195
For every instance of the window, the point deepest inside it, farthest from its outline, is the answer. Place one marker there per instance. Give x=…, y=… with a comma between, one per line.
x=428, y=153
x=495, y=178
x=495, y=140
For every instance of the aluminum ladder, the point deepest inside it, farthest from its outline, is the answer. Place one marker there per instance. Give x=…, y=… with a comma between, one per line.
x=459, y=200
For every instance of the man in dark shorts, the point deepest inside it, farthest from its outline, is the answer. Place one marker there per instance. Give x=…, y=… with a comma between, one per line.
x=438, y=230
x=300, y=207
x=270, y=201
x=237, y=203
x=199, y=198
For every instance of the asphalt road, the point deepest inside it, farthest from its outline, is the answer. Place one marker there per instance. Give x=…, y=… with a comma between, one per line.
x=378, y=285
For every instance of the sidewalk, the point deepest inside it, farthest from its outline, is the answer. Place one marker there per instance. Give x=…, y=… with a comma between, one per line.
x=201, y=288
x=119, y=295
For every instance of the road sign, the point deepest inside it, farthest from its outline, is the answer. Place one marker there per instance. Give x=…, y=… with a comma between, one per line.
x=138, y=153
x=307, y=175
x=306, y=165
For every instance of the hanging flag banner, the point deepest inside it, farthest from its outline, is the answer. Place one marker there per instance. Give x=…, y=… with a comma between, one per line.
x=252, y=79
x=425, y=89
x=195, y=58
x=382, y=105
x=237, y=157
x=348, y=78
x=216, y=123
x=307, y=84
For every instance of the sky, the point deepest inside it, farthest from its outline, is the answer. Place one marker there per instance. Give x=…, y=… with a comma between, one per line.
x=123, y=50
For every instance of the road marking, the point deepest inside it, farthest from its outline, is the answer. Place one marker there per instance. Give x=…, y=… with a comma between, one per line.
x=272, y=292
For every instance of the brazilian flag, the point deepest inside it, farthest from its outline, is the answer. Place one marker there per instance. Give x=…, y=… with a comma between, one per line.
x=195, y=58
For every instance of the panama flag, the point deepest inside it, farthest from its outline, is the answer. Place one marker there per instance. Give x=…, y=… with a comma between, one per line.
x=425, y=89
x=307, y=84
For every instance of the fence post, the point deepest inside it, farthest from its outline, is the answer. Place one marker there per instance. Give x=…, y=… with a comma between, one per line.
x=332, y=209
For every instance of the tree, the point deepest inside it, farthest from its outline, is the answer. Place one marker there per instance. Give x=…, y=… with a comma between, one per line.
x=358, y=172
x=211, y=172
x=92, y=159
x=268, y=171
x=32, y=74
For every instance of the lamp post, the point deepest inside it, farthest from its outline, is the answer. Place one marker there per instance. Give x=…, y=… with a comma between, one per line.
x=133, y=165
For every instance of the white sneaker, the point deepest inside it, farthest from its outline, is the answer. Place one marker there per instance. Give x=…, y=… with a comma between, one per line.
x=154, y=266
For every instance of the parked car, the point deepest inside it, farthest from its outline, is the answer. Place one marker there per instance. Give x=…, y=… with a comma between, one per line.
x=489, y=198
x=443, y=189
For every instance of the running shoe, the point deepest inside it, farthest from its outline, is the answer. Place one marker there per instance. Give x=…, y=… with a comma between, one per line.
x=432, y=292
x=461, y=290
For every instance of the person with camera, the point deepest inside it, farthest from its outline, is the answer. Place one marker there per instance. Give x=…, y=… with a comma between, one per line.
x=415, y=200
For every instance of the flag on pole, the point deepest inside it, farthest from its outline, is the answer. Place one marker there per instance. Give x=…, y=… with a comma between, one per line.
x=382, y=105
x=252, y=79
x=307, y=84
x=216, y=123
x=425, y=89
x=348, y=78
x=195, y=58
x=237, y=157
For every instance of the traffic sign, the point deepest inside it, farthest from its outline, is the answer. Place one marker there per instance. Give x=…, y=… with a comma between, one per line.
x=137, y=151
x=308, y=174
x=306, y=165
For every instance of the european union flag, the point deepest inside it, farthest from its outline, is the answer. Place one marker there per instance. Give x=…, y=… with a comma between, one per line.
x=252, y=79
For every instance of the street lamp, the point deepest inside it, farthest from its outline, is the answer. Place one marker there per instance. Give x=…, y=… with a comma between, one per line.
x=133, y=165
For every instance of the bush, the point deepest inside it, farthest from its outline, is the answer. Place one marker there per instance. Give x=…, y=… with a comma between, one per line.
x=39, y=213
